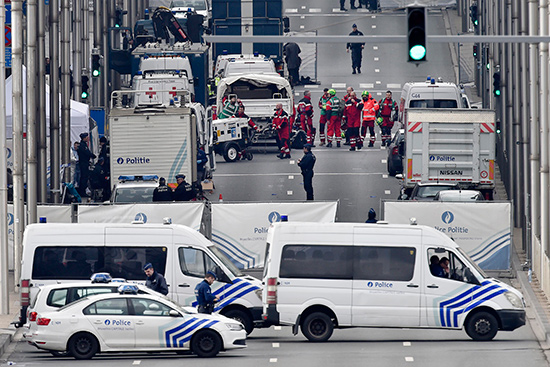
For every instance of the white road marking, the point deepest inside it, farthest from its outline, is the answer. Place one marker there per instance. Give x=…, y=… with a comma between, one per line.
x=409, y=359
x=373, y=26
x=292, y=161
x=303, y=7
x=375, y=47
x=291, y=177
x=291, y=10
x=373, y=16
x=296, y=93
x=376, y=59
x=366, y=85
x=277, y=328
x=275, y=345
x=376, y=70
x=384, y=176
x=379, y=93
x=314, y=10
x=272, y=360
x=362, y=10
x=406, y=344
x=387, y=192
x=302, y=17
x=311, y=86
x=302, y=26
x=384, y=160
x=354, y=174
x=338, y=85
x=336, y=10
x=289, y=192
x=378, y=82
x=136, y=363
x=393, y=85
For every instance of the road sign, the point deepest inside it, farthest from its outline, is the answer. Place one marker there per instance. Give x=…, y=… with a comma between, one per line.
x=7, y=32
x=8, y=57
x=8, y=13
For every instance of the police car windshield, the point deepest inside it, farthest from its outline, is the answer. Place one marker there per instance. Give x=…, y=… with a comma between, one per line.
x=232, y=268
x=134, y=195
x=479, y=270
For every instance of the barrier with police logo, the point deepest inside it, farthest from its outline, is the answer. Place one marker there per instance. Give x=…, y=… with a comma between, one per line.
x=52, y=213
x=189, y=214
x=240, y=230
x=481, y=229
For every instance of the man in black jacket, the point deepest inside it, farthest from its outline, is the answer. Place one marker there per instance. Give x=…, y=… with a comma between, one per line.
x=84, y=157
x=306, y=163
x=356, y=50
x=155, y=281
x=162, y=192
x=184, y=191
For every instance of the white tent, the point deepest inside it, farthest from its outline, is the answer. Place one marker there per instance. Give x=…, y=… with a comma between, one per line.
x=80, y=112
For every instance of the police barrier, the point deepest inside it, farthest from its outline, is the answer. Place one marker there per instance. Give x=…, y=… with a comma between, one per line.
x=481, y=229
x=243, y=238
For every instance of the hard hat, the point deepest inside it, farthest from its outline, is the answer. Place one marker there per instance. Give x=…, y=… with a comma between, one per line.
x=365, y=93
x=332, y=92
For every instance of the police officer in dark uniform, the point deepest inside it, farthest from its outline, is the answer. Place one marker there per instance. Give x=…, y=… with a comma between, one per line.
x=205, y=298
x=356, y=50
x=306, y=163
x=371, y=216
x=163, y=192
x=184, y=191
x=84, y=158
x=155, y=281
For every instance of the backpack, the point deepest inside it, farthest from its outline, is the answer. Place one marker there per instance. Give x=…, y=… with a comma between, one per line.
x=341, y=107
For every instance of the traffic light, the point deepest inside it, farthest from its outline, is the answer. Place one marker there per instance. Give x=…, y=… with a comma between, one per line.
x=85, y=86
x=498, y=126
x=473, y=15
x=96, y=65
x=119, y=13
x=496, y=84
x=416, y=21
x=475, y=51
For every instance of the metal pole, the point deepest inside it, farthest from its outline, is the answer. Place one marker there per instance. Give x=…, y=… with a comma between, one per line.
x=55, y=161
x=17, y=121
x=4, y=285
x=66, y=88
x=85, y=37
x=77, y=59
x=32, y=133
x=41, y=106
x=108, y=9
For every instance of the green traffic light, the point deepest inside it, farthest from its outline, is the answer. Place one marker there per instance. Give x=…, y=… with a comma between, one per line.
x=497, y=92
x=475, y=22
x=488, y=66
x=84, y=95
x=96, y=73
x=417, y=52
x=117, y=25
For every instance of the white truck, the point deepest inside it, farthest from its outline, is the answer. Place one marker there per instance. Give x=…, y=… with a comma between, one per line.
x=159, y=140
x=450, y=146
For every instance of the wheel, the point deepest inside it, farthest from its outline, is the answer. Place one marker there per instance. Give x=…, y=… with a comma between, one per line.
x=243, y=318
x=249, y=156
x=206, y=343
x=83, y=346
x=481, y=326
x=230, y=152
x=317, y=327
x=57, y=353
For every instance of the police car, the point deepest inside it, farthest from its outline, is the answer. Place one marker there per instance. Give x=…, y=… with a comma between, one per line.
x=130, y=322
x=134, y=189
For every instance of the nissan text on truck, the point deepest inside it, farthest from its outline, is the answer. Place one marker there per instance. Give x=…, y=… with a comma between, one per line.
x=322, y=276
x=53, y=253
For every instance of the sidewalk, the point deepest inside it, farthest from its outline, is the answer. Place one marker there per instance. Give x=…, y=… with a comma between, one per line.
x=7, y=331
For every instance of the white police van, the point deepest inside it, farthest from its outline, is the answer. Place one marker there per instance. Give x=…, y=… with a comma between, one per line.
x=57, y=252
x=321, y=276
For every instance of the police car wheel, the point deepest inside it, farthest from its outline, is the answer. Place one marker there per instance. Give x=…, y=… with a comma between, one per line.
x=57, y=353
x=241, y=317
x=230, y=152
x=83, y=346
x=482, y=326
x=206, y=343
x=317, y=327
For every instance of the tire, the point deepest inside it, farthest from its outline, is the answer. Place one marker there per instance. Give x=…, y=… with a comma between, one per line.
x=243, y=318
x=83, y=346
x=249, y=156
x=482, y=326
x=317, y=327
x=57, y=353
x=206, y=343
x=231, y=152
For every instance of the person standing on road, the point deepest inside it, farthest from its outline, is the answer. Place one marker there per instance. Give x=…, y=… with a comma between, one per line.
x=281, y=124
x=184, y=191
x=155, y=281
x=291, y=50
x=353, y=118
x=345, y=127
x=323, y=119
x=162, y=192
x=305, y=113
x=332, y=108
x=356, y=50
x=371, y=216
x=369, y=107
x=306, y=163
x=203, y=292
x=387, y=106
x=84, y=161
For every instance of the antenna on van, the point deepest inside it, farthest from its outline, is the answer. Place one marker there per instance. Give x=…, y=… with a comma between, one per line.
x=412, y=221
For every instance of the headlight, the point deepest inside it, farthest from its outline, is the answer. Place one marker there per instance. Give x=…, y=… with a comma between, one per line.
x=235, y=327
x=514, y=299
x=259, y=293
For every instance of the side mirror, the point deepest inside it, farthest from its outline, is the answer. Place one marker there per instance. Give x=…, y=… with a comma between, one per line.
x=404, y=197
x=399, y=176
x=174, y=313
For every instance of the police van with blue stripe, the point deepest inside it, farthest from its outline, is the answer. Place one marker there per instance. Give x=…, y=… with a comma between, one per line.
x=321, y=276
x=55, y=253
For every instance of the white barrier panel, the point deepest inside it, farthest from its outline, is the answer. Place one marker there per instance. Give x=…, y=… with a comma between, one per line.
x=52, y=213
x=240, y=230
x=189, y=214
x=481, y=229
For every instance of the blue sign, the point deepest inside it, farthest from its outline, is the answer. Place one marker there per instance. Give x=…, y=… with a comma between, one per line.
x=8, y=57
x=8, y=14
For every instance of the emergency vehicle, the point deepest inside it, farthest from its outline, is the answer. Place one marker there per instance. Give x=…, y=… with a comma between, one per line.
x=132, y=322
x=322, y=276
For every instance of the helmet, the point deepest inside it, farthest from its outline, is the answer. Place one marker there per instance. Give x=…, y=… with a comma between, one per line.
x=332, y=92
x=365, y=93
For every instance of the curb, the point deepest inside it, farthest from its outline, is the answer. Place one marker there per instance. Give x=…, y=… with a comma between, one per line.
x=5, y=340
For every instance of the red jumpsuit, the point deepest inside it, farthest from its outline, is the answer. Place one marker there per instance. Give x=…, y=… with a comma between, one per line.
x=281, y=124
x=387, y=105
x=369, y=108
x=353, y=118
x=305, y=113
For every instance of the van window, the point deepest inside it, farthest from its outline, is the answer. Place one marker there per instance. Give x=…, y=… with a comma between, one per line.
x=194, y=262
x=456, y=270
x=384, y=263
x=77, y=262
x=433, y=103
x=316, y=261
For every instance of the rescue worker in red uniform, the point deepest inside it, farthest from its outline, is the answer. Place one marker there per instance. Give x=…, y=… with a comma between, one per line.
x=387, y=106
x=323, y=119
x=345, y=126
x=305, y=116
x=334, y=124
x=369, y=107
x=353, y=118
x=240, y=114
x=281, y=124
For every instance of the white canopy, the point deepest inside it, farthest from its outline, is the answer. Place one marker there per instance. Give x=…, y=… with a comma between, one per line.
x=80, y=112
x=259, y=80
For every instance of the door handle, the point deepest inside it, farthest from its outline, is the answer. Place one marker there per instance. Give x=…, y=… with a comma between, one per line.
x=139, y=323
x=184, y=285
x=433, y=286
x=98, y=322
x=412, y=285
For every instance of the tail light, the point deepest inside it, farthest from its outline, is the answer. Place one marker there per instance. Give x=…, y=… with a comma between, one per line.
x=271, y=291
x=25, y=295
x=32, y=316
x=43, y=321
x=214, y=114
x=487, y=196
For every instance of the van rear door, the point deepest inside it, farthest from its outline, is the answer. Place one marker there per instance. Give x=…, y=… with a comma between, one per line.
x=386, y=281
